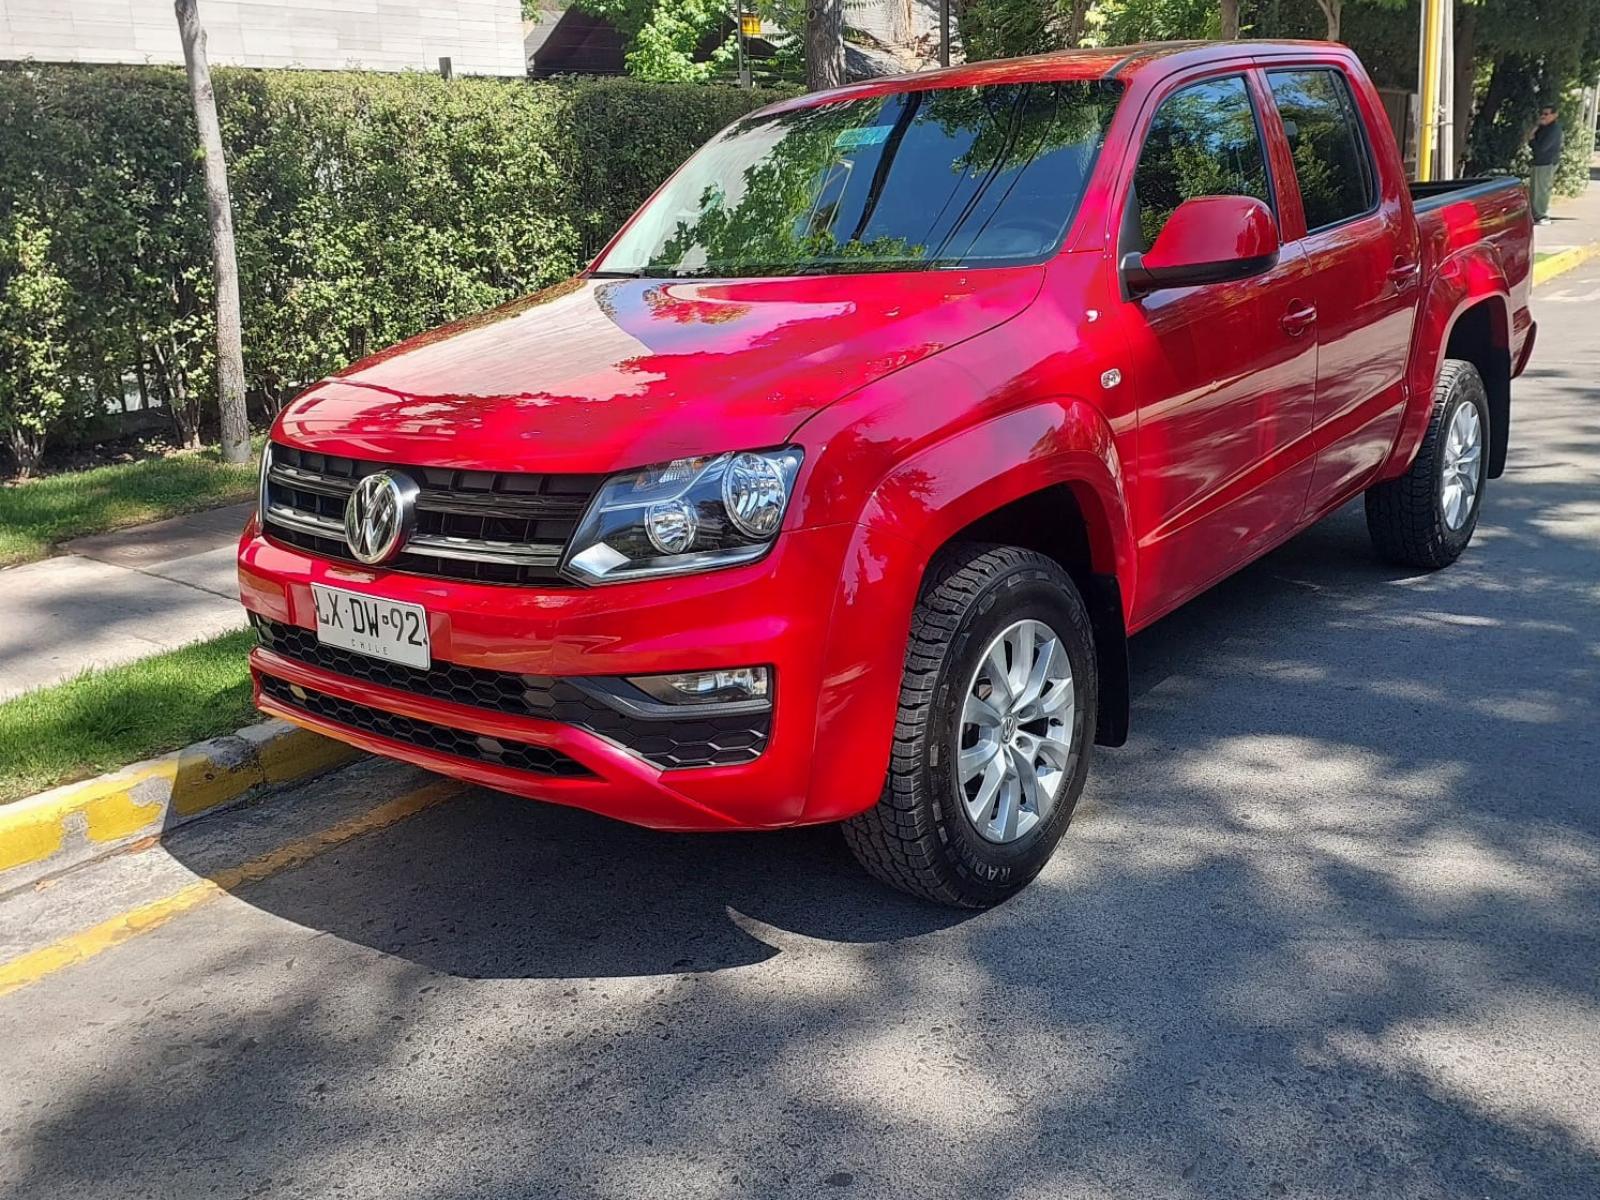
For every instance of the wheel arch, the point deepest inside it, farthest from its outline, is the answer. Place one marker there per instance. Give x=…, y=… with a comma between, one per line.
x=1481, y=335
x=1466, y=313
x=1067, y=524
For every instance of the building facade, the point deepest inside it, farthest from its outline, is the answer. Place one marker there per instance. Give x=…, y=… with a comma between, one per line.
x=479, y=37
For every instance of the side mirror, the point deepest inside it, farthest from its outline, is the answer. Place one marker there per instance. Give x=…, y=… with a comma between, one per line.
x=1210, y=239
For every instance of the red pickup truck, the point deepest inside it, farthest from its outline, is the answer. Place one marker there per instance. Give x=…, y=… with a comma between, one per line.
x=833, y=489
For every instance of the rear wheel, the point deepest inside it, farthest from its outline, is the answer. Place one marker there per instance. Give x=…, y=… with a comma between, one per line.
x=997, y=711
x=1426, y=517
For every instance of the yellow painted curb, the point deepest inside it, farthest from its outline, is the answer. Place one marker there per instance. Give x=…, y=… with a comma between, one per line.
x=1563, y=261
x=77, y=822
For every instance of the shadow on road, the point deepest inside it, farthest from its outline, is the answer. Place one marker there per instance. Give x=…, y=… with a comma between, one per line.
x=1324, y=928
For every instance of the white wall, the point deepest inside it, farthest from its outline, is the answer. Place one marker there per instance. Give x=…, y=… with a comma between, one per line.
x=481, y=37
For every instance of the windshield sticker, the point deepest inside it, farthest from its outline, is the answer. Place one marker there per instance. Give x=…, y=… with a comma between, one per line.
x=854, y=139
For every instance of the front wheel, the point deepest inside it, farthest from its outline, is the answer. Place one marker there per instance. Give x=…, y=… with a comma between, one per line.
x=997, y=711
x=1426, y=517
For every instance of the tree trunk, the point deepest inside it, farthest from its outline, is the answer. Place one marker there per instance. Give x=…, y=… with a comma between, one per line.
x=824, y=44
x=1229, y=12
x=1332, y=12
x=1466, y=75
x=230, y=349
x=1077, y=23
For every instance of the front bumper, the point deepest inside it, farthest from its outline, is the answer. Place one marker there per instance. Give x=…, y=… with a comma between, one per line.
x=472, y=725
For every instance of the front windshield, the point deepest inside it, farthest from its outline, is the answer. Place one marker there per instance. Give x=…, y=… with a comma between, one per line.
x=940, y=177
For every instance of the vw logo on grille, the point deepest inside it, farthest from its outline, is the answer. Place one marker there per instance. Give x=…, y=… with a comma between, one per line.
x=379, y=516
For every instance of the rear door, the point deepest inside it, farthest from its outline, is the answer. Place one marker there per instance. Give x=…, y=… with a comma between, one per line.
x=1226, y=373
x=1361, y=245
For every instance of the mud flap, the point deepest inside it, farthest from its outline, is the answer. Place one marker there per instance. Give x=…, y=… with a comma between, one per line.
x=1103, y=598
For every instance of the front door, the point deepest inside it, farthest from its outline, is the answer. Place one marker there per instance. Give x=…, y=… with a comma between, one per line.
x=1226, y=379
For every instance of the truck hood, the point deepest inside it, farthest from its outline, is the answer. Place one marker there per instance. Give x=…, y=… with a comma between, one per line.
x=602, y=375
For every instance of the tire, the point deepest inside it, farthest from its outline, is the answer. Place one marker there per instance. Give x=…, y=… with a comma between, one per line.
x=919, y=837
x=1408, y=517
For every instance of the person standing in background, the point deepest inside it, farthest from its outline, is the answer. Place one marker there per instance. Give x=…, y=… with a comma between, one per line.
x=1546, y=146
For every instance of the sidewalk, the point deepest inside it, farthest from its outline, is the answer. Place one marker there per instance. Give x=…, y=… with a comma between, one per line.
x=1574, y=222
x=116, y=597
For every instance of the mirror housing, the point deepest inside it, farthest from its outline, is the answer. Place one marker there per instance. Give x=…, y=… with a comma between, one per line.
x=1209, y=239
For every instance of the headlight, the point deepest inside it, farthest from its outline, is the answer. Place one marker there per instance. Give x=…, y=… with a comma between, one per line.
x=691, y=514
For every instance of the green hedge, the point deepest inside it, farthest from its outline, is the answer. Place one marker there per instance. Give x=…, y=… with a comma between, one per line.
x=367, y=206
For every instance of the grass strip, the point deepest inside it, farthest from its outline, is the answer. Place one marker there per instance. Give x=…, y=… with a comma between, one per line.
x=39, y=513
x=110, y=717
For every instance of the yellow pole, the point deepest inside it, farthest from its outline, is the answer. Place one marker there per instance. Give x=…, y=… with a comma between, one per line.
x=1429, y=100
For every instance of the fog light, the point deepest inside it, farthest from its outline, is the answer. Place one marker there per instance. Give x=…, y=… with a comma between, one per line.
x=734, y=686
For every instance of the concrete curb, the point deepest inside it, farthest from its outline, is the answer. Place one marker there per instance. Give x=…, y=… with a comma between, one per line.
x=1563, y=261
x=79, y=822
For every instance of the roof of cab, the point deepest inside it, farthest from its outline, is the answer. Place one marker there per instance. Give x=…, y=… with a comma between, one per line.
x=1114, y=62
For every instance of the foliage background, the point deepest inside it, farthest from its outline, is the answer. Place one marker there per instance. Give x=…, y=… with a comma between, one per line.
x=368, y=207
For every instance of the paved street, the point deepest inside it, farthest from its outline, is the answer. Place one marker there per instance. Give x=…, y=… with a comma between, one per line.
x=1327, y=927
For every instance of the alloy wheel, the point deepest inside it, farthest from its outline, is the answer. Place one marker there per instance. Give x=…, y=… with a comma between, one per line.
x=1014, y=737
x=1461, y=472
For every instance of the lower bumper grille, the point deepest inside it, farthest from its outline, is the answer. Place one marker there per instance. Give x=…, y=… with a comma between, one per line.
x=459, y=743
x=672, y=741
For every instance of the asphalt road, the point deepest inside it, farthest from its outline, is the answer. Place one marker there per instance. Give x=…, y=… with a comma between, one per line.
x=1326, y=927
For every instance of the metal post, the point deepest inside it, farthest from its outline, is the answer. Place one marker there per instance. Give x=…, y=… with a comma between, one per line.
x=746, y=75
x=1429, y=89
x=445, y=70
x=1447, y=89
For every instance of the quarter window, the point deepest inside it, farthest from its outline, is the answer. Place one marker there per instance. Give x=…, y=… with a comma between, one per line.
x=1331, y=159
x=1204, y=141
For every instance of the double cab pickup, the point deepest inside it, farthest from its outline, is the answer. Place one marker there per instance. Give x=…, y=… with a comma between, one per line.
x=833, y=489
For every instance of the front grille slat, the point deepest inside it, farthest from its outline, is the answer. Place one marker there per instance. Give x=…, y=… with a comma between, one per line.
x=482, y=526
x=425, y=735
x=682, y=742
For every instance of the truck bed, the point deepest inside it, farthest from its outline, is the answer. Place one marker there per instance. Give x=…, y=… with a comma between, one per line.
x=1426, y=197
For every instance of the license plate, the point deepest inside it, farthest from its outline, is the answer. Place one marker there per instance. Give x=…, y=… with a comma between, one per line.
x=388, y=629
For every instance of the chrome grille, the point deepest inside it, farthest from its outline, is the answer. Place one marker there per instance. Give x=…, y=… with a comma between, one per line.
x=485, y=526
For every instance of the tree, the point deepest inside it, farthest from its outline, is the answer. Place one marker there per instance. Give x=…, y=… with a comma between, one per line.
x=1229, y=17
x=824, y=44
x=664, y=38
x=230, y=348
x=34, y=384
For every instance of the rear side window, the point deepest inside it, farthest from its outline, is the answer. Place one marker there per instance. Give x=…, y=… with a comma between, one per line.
x=1331, y=158
x=1204, y=141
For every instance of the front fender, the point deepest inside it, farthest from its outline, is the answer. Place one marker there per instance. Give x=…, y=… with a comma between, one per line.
x=921, y=504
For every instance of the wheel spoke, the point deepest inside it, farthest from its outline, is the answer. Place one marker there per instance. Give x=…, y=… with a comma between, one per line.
x=1452, y=505
x=975, y=759
x=1007, y=815
x=980, y=712
x=979, y=804
x=1040, y=798
x=1058, y=699
x=1056, y=751
x=999, y=674
x=1021, y=661
x=1039, y=675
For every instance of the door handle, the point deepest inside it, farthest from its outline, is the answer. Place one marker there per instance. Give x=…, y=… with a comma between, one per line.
x=1403, y=275
x=1299, y=318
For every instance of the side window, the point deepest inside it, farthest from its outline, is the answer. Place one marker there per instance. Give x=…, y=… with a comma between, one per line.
x=1331, y=159
x=1203, y=142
